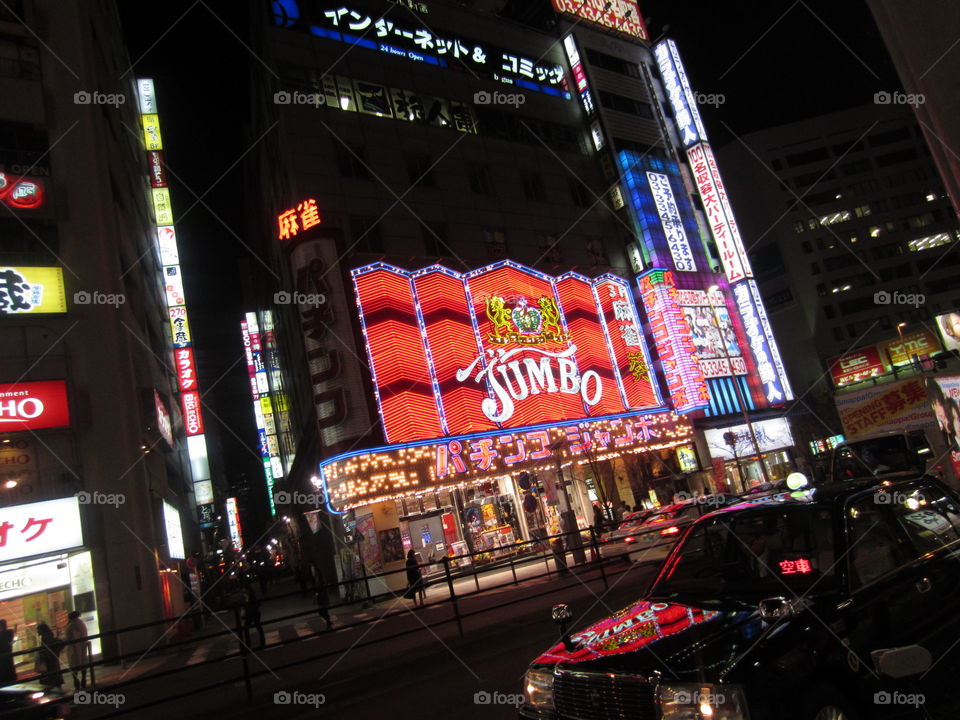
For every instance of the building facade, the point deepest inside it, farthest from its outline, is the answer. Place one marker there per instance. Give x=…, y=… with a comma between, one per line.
x=97, y=505
x=502, y=274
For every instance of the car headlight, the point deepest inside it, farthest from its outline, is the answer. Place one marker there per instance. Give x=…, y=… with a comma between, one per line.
x=702, y=701
x=538, y=689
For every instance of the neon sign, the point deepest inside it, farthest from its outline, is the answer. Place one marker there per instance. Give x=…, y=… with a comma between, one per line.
x=800, y=566
x=21, y=192
x=298, y=219
x=621, y=15
x=30, y=290
x=34, y=405
x=762, y=345
x=679, y=93
x=454, y=353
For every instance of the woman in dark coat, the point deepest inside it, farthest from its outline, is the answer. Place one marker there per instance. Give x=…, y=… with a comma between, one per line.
x=415, y=587
x=8, y=671
x=48, y=656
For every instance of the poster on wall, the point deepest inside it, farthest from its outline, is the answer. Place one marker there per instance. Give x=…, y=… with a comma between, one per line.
x=369, y=547
x=949, y=327
x=944, y=394
x=891, y=407
x=391, y=545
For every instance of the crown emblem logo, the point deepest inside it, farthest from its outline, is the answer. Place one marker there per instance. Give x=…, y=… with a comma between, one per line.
x=524, y=323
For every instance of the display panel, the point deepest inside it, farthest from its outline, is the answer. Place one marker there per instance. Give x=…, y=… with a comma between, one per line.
x=34, y=405
x=32, y=290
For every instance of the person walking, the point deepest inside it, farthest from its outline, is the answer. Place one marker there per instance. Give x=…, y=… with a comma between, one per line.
x=8, y=670
x=77, y=646
x=415, y=586
x=251, y=615
x=48, y=657
x=323, y=603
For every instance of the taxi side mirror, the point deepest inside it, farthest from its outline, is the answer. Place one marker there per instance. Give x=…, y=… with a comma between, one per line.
x=902, y=662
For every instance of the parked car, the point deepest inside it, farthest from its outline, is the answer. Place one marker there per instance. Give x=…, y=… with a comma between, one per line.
x=32, y=701
x=826, y=604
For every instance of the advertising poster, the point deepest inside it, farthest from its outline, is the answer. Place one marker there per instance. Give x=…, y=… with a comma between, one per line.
x=891, y=407
x=391, y=545
x=949, y=327
x=944, y=394
x=369, y=548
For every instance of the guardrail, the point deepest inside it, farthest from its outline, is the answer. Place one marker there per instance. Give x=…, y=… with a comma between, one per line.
x=549, y=550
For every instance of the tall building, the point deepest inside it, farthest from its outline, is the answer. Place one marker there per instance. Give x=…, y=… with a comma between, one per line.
x=855, y=240
x=97, y=505
x=921, y=39
x=501, y=274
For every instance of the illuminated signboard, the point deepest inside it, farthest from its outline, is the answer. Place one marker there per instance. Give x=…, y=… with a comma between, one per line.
x=856, y=366
x=233, y=524
x=621, y=15
x=263, y=412
x=186, y=369
x=34, y=405
x=949, y=326
x=454, y=353
x=422, y=44
x=579, y=74
x=21, y=192
x=364, y=476
x=659, y=205
x=761, y=342
x=179, y=327
x=900, y=351
x=944, y=397
x=713, y=333
x=171, y=521
x=162, y=209
x=889, y=407
x=672, y=223
x=167, y=245
x=31, y=290
x=771, y=435
x=679, y=93
x=174, y=286
x=723, y=227
x=164, y=424
x=674, y=340
x=40, y=528
x=295, y=220
x=192, y=418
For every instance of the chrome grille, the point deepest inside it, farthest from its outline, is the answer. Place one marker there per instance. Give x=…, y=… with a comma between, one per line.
x=601, y=696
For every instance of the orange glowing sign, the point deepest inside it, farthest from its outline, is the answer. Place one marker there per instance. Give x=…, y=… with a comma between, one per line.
x=303, y=217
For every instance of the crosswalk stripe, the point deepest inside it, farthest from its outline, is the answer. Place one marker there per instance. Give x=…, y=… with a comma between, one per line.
x=198, y=655
x=302, y=629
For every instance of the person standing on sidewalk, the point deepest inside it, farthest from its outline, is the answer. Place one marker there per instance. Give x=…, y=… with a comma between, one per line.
x=76, y=637
x=415, y=586
x=251, y=615
x=323, y=604
x=8, y=670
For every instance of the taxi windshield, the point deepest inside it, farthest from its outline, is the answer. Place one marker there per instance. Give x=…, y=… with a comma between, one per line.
x=752, y=555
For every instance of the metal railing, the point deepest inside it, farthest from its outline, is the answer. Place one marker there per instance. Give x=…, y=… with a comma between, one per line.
x=551, y=550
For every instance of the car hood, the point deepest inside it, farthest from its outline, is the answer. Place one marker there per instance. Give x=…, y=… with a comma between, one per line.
x=649, y=634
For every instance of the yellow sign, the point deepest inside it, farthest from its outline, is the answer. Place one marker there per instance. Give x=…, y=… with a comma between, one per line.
x=179, y=327
x=151, y=132
x=30, y=290
x=162, y=207
x=265, y=405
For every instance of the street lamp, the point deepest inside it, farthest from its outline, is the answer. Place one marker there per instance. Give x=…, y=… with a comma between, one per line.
x=736, y=382
x=900, y=327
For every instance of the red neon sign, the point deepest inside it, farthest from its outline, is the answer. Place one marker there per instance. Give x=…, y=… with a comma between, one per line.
x=800, y=566
x=34, y=405
x=294, y=221
x=192, y=417
x=503, y=346
x=23, y=193
x=186, y=369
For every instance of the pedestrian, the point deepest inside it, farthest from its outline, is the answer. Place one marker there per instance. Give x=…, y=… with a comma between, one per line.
x=77, y=644
x=303, y=578
x=322, y=600
x=598, y=519
x=48, y=657
x=415, y=586
x=8, y=671
x=251, y=615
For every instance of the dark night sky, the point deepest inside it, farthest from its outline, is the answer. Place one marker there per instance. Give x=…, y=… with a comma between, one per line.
x=774, y=61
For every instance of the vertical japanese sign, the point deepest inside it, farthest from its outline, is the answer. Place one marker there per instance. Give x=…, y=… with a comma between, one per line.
x=263, y=412
x=172, y=281
x=233, y=525
x=773, y=377
x=672, y=224
x=679, y=93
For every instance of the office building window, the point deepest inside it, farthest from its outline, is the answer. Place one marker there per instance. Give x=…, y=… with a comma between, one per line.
x=495, y=243
x=366, y=234
x=435, y=242
x=549, y=250
x=351, y=163
x=532, y=186
x=421, y=171
x=579, y=193
x=480, y=180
